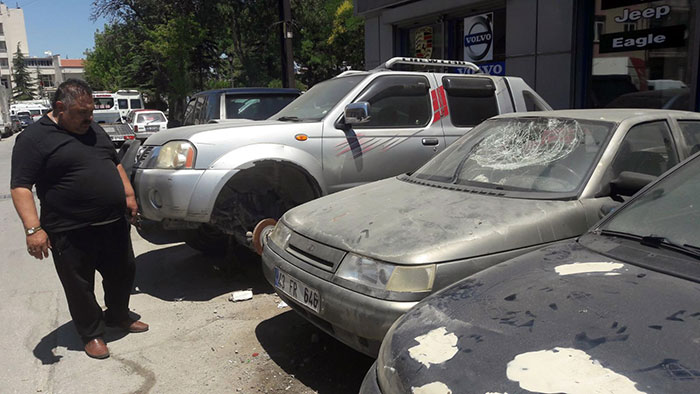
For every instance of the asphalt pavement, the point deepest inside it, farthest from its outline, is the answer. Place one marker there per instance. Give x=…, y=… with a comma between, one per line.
x=199, y=341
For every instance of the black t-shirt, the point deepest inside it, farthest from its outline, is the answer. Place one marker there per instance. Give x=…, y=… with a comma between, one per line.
x=76, y=175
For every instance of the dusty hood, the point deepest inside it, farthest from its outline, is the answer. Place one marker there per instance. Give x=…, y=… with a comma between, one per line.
x=402, y=222
x=562, y=319
x=189, y=132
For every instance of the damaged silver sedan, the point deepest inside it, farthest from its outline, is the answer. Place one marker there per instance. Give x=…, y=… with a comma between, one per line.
x=353, y=262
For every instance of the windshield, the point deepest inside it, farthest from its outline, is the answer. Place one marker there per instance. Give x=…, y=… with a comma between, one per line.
x=668, y=210
x=319, y=100
x=531, y=154
x=148, y=118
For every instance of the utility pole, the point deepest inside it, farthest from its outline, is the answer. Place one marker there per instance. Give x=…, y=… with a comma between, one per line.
x=286, y=44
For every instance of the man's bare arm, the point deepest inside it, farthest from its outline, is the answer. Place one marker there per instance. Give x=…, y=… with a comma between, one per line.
x=131, y=206
x=38, y=243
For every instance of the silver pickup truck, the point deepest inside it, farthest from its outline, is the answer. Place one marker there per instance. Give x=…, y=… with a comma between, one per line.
x=213, y=184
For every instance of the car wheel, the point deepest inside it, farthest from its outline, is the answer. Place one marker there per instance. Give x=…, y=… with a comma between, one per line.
x=208, y=240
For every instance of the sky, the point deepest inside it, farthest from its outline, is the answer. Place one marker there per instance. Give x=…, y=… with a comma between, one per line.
x=59, y=26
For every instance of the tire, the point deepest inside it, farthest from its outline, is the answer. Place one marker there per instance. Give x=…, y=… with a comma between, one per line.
x=208, y=240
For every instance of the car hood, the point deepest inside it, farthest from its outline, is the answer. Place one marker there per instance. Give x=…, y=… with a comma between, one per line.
x=561, y=319
x=402, y=222
x=203, y=132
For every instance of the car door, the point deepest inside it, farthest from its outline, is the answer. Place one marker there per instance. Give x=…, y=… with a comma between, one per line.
x=647, y=148
x=401, y=134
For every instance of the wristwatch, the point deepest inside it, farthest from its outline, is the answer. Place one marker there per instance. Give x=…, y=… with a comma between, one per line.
x=32, y=230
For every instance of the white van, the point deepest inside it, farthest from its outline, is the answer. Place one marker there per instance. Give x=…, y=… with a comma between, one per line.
x=106, y=110
x=35, y=109
x=111, y=107
x=128, y=100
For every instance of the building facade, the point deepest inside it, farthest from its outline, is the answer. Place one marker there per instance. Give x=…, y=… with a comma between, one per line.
x=12, y=33
x=575, y=53
x=47, y=72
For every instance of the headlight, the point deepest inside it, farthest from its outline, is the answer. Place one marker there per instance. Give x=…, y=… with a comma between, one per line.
x=385, y=276
x=176, y=155
x=280, y=235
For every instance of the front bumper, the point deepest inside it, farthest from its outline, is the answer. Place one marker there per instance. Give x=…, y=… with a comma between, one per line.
x=165, y=194
x=358, y=320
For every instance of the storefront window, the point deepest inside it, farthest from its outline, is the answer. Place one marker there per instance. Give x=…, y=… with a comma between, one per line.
x=641, y=56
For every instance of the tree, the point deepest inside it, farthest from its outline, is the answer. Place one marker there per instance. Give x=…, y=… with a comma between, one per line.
x=172, y=48
x=24, y=86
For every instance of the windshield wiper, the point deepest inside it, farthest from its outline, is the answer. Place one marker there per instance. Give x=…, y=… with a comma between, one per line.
x=655, y=241
x=289, y=119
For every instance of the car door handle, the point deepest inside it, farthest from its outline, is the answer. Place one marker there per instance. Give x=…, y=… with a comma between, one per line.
x=429, y=141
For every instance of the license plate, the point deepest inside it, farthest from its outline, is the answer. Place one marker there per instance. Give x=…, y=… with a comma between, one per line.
x=297, y=289
x=152, y=128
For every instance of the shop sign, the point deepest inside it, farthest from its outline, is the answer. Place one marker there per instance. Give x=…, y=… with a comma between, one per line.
x=493, y=68
x=639, y=40
x=608, y=4
x=478, y=37
x=424, y=42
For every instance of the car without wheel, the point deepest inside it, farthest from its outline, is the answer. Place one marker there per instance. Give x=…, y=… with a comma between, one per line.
x=217, y=184
x=355, y=261
x=614, y=311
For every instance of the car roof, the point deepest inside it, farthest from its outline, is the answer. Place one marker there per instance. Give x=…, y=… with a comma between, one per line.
x=605, y=114
x=250, y=91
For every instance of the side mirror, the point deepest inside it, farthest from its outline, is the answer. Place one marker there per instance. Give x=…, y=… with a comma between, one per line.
x=629, y=183
x=357, y=113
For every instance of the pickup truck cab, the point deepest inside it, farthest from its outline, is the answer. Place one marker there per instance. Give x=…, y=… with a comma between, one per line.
x=213, y=184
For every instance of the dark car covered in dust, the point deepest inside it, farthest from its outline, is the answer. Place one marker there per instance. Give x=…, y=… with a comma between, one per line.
x=353, y=262
x=615, y=311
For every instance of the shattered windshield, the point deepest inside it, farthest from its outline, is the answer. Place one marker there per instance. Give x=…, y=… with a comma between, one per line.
x=532, y=154
x=319, y=100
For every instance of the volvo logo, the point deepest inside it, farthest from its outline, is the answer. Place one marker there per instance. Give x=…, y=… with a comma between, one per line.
x=478, y=38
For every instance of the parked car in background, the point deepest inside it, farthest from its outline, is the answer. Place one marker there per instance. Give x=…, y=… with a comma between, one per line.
x=215, y=184
x=15, y=124
x=614, y=311
x=355, y=261
x=25, y=119
x=145, y=122
x=236, y=103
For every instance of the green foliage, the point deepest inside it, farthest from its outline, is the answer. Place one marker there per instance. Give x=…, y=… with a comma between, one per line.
x=24, y=85
x=170, y=49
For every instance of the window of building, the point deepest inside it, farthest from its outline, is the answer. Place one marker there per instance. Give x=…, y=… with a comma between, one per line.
x=4, y=62
x=3, y=47
x=47, y=81
x=2, y=29
x=599, y=27
x=640, y=48
x=5, y=82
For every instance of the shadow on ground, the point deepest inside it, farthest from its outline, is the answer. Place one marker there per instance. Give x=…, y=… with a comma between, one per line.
x=314, y=358
x=179, y=273
x=66, y=336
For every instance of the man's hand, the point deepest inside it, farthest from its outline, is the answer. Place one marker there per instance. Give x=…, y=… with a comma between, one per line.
x=132, y=209
x=38, y=244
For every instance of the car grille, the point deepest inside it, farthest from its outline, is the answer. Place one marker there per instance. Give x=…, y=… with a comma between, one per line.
x=143, y=154
x=315, y=253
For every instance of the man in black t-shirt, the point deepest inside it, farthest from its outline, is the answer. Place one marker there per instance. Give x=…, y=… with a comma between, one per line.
x=85, y=199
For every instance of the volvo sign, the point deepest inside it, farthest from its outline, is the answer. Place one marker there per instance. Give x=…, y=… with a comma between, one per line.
x=478, y=38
